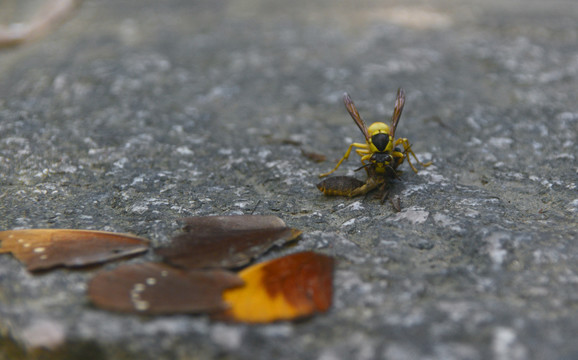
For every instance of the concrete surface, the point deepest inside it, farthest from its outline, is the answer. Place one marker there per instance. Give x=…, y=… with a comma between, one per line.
x=135, y=113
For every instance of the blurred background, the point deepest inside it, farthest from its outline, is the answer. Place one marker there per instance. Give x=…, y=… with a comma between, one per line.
x=126, y=115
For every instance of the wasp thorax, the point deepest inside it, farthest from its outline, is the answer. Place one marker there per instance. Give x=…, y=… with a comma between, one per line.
x=379, y=134
x=378, y=127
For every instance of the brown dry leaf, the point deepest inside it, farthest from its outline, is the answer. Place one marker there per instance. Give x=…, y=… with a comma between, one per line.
x=41, y=249
x=225, y=241
x=154, y=288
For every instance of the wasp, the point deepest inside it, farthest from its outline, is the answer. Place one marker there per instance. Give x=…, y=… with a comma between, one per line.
x=381, y=154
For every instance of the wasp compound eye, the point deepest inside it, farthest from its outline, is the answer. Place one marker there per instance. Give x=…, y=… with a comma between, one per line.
x=380, y=141
x=381, y=158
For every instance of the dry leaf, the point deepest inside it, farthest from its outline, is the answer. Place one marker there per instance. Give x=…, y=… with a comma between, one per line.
x=41, y=249
x=155, y=288
x=225, y=241
x=286, y=288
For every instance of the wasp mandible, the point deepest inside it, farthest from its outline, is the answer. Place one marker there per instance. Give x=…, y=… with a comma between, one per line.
x=380, y=154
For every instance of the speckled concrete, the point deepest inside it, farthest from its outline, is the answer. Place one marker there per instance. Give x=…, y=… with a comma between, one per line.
x=135, y=113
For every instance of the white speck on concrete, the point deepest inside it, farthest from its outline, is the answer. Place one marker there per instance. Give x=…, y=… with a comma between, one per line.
x=425, y=156
x=573, y=206
x=474, y=141
x=282, y=330
x=412, y=189
x=242, y=204
x=120, y=163
x=500, y=142
x=414, y=215
x=264, y=153
x=348, y=222
x=227, y=336
x=184, y=150
x=473, y=124
x=139, y=208
x=233, y=161
x=137, y=180
x=446, y=221
x=433, y=177
x=564, y=156
x=44, y=333
x=471, y=213
x=494, y=247
x=505, y=345
x=355, y=206
x=70, y=169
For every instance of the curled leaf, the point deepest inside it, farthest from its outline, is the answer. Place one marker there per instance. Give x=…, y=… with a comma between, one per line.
x=154, y=288
x=41, y=249
x=225, y=241
x=286, y=288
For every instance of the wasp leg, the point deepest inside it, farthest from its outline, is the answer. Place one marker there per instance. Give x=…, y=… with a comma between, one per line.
x=397, y=204
x=407, y=149
x=384, y=191
x=346, y=156
x=365, y=156
x=371, y=183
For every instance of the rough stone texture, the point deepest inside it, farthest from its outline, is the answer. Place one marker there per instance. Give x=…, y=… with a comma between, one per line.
x=135, y=113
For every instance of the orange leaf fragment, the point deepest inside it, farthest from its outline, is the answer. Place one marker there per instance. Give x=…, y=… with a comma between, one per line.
x=286, y=288
x=41, y=249
x=154, y=288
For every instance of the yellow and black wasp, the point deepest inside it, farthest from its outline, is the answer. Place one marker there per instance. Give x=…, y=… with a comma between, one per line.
x=381, y=154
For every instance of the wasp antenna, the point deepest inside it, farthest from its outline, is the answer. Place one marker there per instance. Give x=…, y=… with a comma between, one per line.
x=363, y=167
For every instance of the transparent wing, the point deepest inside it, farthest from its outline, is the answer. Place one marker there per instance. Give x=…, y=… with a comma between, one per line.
x=350, y=106
x=399, y=103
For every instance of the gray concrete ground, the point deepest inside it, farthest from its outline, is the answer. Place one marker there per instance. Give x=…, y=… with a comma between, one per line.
x=135, y=113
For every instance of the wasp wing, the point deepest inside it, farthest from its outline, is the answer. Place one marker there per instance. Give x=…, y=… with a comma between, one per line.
x=350, y=106
x=399, y=103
